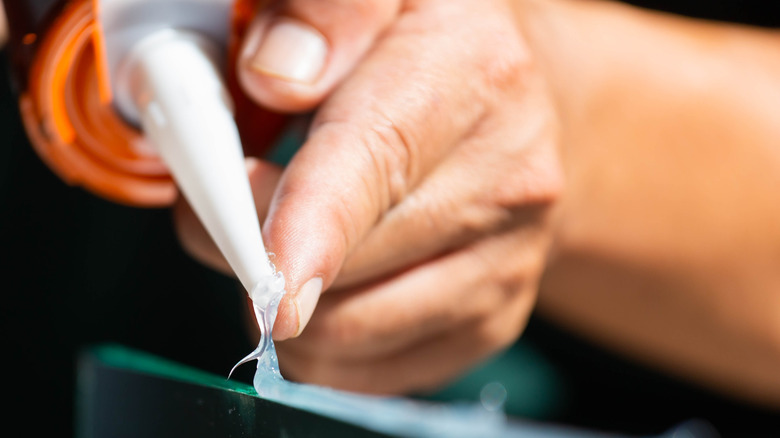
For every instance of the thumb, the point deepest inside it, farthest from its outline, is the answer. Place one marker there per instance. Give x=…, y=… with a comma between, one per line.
x=296, y=51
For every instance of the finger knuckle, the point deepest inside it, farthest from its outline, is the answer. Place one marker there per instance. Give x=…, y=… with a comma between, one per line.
x=535, y=176
x=508, y=70
x=502, y=57
x=347, y=219
x=390, y=150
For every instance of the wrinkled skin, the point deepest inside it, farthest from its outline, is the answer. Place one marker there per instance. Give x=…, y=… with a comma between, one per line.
x=422, y=197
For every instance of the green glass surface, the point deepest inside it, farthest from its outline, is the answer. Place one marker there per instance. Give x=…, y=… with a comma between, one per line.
x=119, y=356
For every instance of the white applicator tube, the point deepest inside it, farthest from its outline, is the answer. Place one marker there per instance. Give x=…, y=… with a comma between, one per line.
x=169, y=83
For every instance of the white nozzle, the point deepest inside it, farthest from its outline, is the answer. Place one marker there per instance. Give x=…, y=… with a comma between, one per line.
x=170, y=85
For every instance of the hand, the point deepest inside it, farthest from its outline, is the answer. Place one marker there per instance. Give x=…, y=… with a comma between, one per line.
x=420, y=202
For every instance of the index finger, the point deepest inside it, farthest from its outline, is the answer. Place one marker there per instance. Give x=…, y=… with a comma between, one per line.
x=370, y=144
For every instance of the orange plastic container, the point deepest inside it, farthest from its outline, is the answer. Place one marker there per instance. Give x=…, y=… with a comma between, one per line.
x=65, y=102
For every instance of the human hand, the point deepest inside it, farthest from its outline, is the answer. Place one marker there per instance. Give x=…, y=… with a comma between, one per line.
x=420, y=201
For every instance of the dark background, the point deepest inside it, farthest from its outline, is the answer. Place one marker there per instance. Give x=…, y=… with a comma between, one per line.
x=77, y=270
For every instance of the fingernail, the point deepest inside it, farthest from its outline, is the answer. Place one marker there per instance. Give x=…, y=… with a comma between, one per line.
x=306, y=301
x=291, y=50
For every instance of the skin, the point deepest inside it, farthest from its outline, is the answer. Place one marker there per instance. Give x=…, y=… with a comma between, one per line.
x=667, y=249
x=430, y=198
x=462, y=162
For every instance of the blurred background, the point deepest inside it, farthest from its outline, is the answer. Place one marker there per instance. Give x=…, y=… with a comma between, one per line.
x=77, y=270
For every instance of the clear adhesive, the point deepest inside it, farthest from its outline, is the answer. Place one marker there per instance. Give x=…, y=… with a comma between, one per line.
x=266, y=296
x=395, y=416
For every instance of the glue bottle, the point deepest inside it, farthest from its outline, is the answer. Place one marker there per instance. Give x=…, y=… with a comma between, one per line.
x=134, y=100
